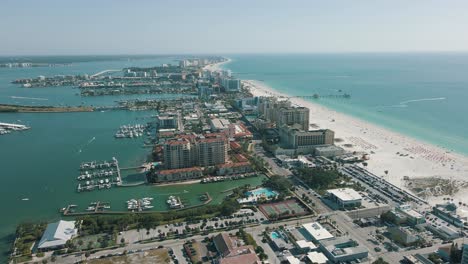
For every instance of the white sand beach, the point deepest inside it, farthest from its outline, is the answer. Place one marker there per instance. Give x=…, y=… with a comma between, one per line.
x=216, y=66
x=393, y=152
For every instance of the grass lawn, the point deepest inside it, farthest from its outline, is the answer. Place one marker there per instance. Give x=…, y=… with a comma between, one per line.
x=95, y=241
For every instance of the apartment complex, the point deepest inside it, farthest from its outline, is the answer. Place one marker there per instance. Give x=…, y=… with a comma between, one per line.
x=186, y=151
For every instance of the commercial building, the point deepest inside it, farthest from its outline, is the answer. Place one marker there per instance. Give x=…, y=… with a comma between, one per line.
x=316, y=231
x=328, y=151
x=409, y=215
x=291, y=116
x=449, y=212
x=343, y=249
x=317, y=257
x=443, y=231
x=57, y=234
x=305, y=246
x=464, y=259
x=345, y=197
x=179, y=174
x=403, y=235
x=219, y=124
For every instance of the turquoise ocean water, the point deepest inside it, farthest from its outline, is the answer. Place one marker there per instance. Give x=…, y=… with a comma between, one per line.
x=420, y=95
x=42, y=164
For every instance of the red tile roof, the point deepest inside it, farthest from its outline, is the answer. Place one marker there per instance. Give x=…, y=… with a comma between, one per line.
x=173, y=171
x=232, y=165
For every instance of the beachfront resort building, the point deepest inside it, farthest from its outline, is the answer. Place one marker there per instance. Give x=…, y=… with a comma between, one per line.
x=57, y=234
x=268, y=106
x=231, y=85
x=290, y=116
x=299, y=141
x=345, y=197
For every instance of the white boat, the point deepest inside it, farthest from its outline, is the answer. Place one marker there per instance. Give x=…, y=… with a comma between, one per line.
x=91, y=208
x=25, y=199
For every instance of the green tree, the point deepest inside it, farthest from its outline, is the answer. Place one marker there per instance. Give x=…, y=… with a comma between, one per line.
x=380, y=261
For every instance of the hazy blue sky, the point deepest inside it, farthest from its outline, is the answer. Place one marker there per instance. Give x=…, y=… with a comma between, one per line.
x=237, y=26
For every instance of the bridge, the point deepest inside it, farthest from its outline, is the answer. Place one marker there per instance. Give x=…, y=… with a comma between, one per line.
x=103, y=72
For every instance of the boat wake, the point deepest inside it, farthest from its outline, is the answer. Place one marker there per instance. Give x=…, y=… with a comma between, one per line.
x=85, y=145
x=29, y=98
x=405, y=104
x=422, y=100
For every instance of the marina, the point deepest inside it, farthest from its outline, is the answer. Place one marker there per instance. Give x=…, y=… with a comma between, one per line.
x=108, y=173
x=140, y=204
x=131, y=131
x=174, y=202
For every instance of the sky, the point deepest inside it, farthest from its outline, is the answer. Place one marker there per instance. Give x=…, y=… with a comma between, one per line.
x=82, y=27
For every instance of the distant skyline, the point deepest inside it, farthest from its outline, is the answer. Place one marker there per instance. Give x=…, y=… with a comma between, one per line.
x=85, y=27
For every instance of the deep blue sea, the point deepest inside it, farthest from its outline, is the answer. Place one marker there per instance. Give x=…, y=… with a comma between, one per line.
x=422, y=95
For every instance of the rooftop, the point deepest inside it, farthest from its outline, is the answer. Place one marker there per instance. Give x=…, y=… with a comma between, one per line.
x=166, y=172
x=317, y=231
x=317, y=257
x=57, y=234
x=345, y=194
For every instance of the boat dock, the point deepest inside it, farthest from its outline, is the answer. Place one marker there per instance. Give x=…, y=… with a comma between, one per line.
x=95, y=207
x=68, y=211
x=108, y=173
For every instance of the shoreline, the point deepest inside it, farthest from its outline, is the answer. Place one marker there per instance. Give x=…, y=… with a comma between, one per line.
x=216, y=66
x=391, y=151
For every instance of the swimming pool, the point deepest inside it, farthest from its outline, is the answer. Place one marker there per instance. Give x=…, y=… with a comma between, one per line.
x=275, y=235
x=262, y=192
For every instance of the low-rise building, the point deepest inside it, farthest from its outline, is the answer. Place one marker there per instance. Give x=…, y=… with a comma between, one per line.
x=328, y=151
x=345, y=197
x=403, y=235
x=343, y=249
x=234, y=168
x=57, y=234
x=317, y=257
x=232, y=252
x=411, y=216
x=317, y=232
x=179, y=174
x=449, y=212
x=443, y=231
